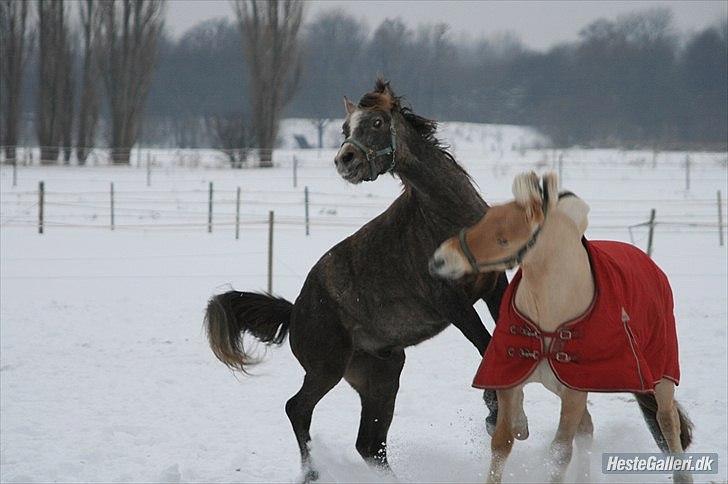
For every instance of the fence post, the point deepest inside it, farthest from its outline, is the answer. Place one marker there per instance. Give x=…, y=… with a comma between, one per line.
x=687, y=172
x=270, y=251
x=149, y=170
x=561, y=169
x=295, y=171
x=305, y=198
x=41, y=201
x=237, y=215
x=651, y=234
x=209, y=211
x=720, y=219
x=112, y=205
x=15, y=170
x=139, y=155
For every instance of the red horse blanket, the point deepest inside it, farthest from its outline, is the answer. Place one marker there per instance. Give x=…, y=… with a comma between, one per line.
x=626, y=341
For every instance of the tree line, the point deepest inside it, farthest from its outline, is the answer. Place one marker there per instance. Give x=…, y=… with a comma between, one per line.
x=112, y=76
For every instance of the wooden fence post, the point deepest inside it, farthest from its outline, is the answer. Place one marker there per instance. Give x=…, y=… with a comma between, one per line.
x=209, y=211
x=112, y=205
x=295, y=171
x=149, y=170
x=41, y=201
x=651, y=234
x=720, y=219
x=687, y=172
x=305, y=197
x=270, y=251
x=237, y=215
x=561, y=169
x=15, y=170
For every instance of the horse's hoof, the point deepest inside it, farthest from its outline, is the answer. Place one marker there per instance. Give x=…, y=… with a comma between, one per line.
x=521, y=434
x=520, y=428
x=310, y=475
x=682, y=478
x=490, y=421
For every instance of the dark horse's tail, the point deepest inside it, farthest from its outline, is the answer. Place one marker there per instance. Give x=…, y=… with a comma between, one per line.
x=648, y=405
x=234, y=313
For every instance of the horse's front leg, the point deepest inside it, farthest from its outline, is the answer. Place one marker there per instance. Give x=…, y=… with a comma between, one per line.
x=469, y=323
x=573, y=406
x=502, y=440
x=583, y=439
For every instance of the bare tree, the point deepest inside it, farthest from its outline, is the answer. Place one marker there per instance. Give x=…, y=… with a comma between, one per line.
x=88, y=114
x=67, y=104
x=270, y=40
x=128, y=39
x=230, y=135
x=53, y=114
x=320, y=125
x=15, y=42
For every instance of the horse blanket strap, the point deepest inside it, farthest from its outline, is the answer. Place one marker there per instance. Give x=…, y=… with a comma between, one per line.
x=372, y=155
x=625, y=342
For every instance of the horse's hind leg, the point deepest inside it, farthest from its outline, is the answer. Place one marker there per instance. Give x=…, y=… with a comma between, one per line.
x=377, y=382
x=669, y=420
x=324, y=352
x=300, y=408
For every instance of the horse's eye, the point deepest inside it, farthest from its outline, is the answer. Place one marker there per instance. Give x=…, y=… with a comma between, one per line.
x=502, y=242
x=378, y=123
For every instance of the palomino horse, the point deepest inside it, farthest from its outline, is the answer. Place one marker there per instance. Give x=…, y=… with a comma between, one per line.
x=579, y=316
x=371, y=296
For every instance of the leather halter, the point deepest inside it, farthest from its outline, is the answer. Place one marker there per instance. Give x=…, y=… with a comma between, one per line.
x=372, y=155
x=517, y=258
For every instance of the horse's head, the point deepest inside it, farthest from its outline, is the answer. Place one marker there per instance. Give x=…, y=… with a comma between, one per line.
x=505, y=234
x=375, y=134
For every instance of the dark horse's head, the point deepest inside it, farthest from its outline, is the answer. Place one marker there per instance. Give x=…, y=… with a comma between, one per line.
x=376, y=132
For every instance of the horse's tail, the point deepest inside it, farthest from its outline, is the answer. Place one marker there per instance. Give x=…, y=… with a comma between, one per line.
x=648, y=405
x=234, y=313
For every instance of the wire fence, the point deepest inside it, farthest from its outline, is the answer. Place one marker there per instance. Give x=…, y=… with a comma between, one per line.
x=143, y=200
x=191, y=210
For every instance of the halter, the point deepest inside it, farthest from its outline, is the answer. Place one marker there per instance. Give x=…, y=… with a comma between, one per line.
x=517, y=258
x=372, y=155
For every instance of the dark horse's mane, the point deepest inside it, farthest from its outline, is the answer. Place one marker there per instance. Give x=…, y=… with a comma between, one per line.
x=382, y=98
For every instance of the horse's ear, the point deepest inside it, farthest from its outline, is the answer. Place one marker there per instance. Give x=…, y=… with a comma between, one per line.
x=387, y=98
x=550, y=186
x=349, y=106
x=527, y=190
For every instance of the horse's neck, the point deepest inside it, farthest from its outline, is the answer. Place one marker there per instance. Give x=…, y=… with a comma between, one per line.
x=557, y=284
x=439, y=186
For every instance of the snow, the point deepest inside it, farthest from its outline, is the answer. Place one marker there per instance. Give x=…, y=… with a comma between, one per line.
x=105, y=373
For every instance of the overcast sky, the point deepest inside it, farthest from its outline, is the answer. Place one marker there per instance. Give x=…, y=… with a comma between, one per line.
x=540, y=24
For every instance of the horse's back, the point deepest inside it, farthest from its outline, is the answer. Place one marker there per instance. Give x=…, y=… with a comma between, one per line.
x=631, y=277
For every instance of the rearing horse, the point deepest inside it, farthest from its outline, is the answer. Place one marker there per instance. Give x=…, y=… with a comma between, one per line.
x=371, y=295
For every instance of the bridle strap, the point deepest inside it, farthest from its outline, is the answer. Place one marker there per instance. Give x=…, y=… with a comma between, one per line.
x=516, y=258
x=372, y=155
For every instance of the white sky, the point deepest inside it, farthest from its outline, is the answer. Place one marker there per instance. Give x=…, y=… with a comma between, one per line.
x=540, y=24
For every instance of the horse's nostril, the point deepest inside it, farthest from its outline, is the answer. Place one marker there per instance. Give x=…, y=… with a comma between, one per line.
x=436, y=263
x=347, y=157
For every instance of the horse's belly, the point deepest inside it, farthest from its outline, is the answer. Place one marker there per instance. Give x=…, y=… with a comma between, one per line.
x=544, y=375
x=394, y=329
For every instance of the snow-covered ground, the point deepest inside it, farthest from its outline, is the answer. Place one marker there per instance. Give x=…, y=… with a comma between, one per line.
x=105, y=374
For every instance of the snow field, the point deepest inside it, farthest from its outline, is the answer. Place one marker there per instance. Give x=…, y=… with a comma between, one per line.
x=105, y=374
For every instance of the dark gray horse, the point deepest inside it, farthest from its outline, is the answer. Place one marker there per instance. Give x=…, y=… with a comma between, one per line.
x=371, y=295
